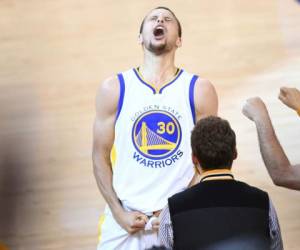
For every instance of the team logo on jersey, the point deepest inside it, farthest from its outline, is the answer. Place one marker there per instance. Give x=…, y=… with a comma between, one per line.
x=156, y=134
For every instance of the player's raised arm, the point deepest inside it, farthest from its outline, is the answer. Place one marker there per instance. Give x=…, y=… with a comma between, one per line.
x=103, y=138
x=291, y=98
x=275, y=159
x=206, y=99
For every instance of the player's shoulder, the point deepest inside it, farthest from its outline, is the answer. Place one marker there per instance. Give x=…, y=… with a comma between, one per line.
x=109, y=84
x=107, y=95
x=199, y=79
x=204, y=86
x=203, y=82
x=112, y=83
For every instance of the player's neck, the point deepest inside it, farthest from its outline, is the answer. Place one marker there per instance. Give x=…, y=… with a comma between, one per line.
x=158, y=69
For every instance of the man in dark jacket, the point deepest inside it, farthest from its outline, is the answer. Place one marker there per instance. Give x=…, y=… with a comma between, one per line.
x=219, y=212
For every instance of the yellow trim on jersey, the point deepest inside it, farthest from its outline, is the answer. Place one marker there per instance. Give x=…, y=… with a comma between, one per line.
x=113, y=156
x=157, y=89
x=216, y=171
x=100, y=223
x=298, y=112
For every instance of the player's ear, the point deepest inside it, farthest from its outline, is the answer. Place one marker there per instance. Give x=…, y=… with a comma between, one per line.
x=235, y=154
x=195, y=160
x=140, y=39
x=179, y=42
x=197, y=165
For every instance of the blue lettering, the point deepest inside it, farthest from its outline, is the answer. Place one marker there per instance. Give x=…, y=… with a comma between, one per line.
x=157, y=163
x=174, y=158
x=168, y=162
x=150, y=163
x=143, y=162
x=137, y=157
x=179, y=153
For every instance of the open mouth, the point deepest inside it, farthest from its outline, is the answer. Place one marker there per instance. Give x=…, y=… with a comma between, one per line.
x=158, y=31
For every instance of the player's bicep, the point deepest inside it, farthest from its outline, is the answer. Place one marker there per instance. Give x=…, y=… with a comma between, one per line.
x=103, y=137
x=103, y=130
x=206, y=99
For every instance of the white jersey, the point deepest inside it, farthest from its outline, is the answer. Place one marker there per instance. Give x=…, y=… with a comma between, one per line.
x=151, y=157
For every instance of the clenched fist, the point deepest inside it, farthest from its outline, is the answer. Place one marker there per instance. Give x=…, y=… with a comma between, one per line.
x=290, y=97
x=255, y=109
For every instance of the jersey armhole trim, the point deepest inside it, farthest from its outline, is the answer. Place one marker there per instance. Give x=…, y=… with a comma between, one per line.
x=191, y=96
x=121, y=97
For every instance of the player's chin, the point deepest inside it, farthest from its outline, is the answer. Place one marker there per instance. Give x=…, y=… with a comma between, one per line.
x=158, y=45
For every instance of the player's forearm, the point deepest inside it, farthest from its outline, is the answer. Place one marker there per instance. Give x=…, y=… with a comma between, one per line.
x=103, y=175
x=293, y=179
x=272, y=153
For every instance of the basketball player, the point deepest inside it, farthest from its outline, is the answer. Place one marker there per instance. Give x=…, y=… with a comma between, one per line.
x=141, y=149
x=278, y=165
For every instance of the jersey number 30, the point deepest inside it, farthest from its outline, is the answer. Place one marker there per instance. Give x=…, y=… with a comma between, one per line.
x=165, y=127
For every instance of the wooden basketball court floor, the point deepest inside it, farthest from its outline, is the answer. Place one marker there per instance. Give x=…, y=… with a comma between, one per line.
x=53, y=56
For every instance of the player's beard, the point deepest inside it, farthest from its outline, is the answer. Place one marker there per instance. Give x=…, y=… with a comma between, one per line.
x=158, y=49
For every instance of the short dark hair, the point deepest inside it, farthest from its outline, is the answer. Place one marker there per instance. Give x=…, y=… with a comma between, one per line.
x=213, y=143
x=165, y=8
